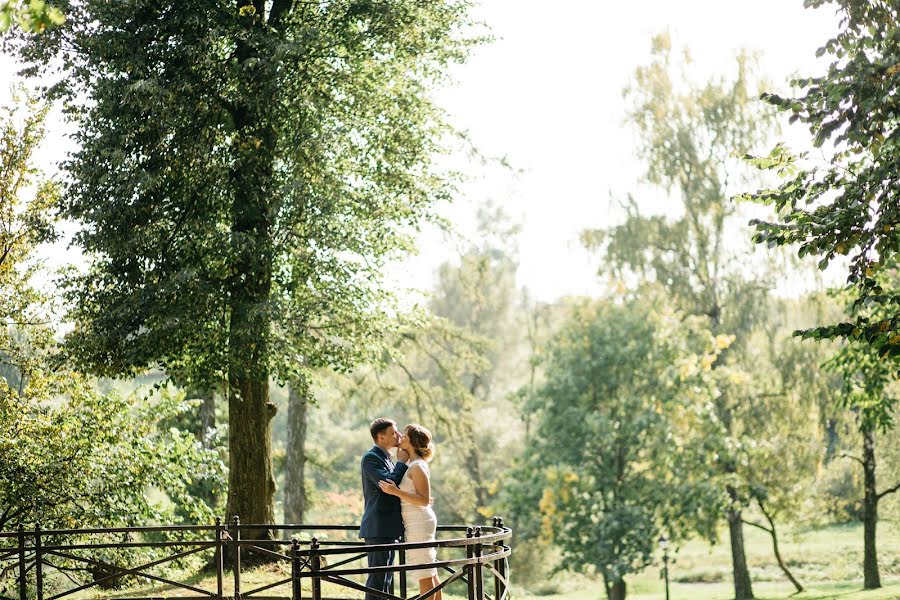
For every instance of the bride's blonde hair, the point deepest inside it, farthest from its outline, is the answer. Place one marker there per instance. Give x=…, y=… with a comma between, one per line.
x=421, y=440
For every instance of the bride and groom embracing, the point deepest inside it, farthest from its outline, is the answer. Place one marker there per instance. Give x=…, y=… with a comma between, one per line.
x=398, y=502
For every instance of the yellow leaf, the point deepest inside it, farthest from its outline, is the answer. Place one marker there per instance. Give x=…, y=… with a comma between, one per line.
x=723, y=341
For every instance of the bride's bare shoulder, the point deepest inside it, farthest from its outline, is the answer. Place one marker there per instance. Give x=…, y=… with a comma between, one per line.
x=419, y=466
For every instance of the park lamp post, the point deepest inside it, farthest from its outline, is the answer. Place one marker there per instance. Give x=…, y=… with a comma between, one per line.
x=664, y=546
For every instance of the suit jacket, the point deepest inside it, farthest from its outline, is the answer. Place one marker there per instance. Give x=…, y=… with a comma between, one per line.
x=381, y=517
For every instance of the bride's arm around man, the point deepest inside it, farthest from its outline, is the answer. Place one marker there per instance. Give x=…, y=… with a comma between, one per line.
x=414, y=491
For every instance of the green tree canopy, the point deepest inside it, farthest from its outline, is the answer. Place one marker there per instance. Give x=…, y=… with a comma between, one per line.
x=610, y=449
x=846, y=203
x=70, y=456
x=31, y=15
x=687, y=135
x=244, y=170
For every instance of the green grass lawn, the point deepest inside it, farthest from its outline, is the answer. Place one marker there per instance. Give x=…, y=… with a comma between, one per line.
x=827, y=561
x=763, y=591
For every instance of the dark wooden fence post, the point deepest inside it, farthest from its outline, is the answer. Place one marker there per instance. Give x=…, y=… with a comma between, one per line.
x=401, y=559
x=296, y=590
x=499, y=565
x=470, y=581
x=314, y=565
x=22, y=571
x=393, y=582
x=479, y=572
x=236, y=554
x=219, y=559
x=38, y=571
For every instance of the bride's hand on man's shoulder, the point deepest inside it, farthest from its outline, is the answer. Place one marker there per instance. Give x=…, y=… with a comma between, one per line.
x=388, y=487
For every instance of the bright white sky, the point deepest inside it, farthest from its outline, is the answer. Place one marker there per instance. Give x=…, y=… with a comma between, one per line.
x=548, y=95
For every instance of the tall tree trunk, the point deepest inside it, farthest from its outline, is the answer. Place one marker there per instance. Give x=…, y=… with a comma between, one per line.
x=207, y=415
x=832, y=437
x=618, y=590
x=473, y=467
x=871, y=580
x=473, y=449
x=251, y=480
x=615, y=588
x=743, y=590
x=295, y=461
x=206, y=409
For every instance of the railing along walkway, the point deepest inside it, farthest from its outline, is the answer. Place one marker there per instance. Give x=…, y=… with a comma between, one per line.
x=483, y=559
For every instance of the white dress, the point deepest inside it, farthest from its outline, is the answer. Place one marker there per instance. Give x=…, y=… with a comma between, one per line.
x=420, y=525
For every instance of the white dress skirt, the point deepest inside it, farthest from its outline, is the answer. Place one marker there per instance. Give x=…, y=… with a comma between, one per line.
x=420, y=525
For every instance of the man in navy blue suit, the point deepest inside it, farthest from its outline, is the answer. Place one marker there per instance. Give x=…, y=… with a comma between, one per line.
x=381, y=521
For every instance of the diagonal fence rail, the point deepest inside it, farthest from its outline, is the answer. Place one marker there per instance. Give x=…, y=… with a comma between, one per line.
x=482, y=563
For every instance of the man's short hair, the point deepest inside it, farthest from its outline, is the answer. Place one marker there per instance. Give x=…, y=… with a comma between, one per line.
x=379, y=425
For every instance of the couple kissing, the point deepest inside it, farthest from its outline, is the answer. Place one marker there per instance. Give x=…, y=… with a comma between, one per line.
x=398, y=502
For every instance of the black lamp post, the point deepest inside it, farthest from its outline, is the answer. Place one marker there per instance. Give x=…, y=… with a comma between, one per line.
x=664, y=546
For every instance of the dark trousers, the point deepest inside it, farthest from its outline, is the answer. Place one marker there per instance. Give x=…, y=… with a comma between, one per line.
x=382, y=558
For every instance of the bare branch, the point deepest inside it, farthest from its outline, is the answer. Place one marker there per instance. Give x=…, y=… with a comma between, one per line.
x=850, y=456
x=757, y=525
x=888, y=491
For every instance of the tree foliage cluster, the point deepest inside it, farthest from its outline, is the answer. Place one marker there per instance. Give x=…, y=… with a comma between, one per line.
x=845, y=204
x=71, y=456
x=244, y=170
x=32, y=15
x=609, y=451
